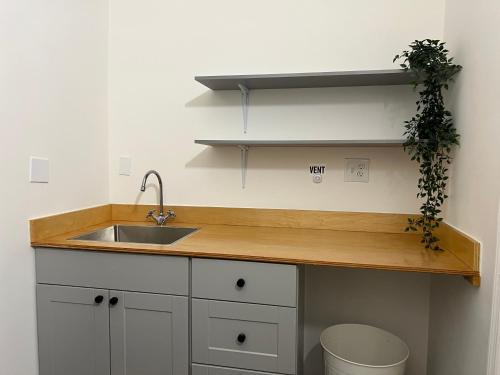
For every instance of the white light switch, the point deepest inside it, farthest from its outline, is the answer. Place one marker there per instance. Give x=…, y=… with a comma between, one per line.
x=39, y=169
x=125, y=166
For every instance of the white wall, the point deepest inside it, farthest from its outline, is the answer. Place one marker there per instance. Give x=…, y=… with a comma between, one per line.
x=494, y=352
x=460, y=314
x=52, y=104
x=156, y=110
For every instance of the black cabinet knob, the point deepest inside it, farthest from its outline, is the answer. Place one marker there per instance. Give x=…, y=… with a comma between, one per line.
x=241, y=338
x=98, y=299
x=240, y=283
x=113, y=301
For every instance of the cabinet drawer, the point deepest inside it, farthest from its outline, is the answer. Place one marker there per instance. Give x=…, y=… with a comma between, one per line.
x=265, y=283
x=123, y=271
x=215, y=370
x=248, y=336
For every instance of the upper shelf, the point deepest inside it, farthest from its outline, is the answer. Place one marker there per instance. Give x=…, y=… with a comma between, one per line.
x=308, y=80
x=303, y=143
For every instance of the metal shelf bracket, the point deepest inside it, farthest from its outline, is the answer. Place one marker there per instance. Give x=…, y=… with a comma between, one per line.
x=244, y=163
x=245, y=101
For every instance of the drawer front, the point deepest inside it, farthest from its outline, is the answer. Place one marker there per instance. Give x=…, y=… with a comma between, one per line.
x=123, y=271
x=247, y=336
x=215, y=370
x=265, y=283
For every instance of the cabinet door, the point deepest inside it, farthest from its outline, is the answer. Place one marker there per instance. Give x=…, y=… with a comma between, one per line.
x=149, y=334
x=73, y=330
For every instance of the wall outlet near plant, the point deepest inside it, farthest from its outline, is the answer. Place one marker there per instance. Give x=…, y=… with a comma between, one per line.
x=357, y=170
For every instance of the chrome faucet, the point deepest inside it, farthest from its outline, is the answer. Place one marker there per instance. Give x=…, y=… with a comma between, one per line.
x=161, y=218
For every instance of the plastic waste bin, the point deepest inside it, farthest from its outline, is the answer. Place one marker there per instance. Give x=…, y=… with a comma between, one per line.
x=356, y=349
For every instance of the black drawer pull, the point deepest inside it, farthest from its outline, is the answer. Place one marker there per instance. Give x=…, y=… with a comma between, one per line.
x=98, y=299
x=113, y=301
x=241, y=338
x=240, y=283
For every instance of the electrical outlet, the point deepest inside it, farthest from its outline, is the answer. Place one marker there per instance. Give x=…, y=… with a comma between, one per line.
x=357, y=170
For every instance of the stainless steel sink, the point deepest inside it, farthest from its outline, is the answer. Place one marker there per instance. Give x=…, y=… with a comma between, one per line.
x=137, y=234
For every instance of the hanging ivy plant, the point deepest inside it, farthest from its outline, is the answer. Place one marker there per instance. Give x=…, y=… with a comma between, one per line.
x=430, y=134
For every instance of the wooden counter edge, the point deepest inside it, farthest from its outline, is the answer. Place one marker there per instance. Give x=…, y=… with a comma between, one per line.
x=177, y=252
x=276, y=218
x=54, y=225
x=464, y=247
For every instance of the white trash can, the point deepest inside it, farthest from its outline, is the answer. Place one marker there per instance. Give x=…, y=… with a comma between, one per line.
x=356, y=349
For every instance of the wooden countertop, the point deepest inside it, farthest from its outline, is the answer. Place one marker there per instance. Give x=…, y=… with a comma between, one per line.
x=280, y=244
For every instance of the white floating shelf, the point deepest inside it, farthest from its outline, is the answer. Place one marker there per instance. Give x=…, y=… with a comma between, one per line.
x=308, y=80
x=248, y=82
x=303, y=143
x=244, y=146
x=245, y=83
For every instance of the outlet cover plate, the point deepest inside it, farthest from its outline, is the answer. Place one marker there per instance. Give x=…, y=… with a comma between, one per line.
x=357, y=170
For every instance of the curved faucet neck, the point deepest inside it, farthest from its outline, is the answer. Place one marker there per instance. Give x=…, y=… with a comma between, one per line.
x=143, y=186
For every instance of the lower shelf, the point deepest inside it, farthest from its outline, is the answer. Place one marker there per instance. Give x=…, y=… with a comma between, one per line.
x=303, y=143
x=244, y=146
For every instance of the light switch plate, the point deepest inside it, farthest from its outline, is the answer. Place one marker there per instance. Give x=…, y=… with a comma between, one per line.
x=125, y=166
x=39, y=170
x=357, y=170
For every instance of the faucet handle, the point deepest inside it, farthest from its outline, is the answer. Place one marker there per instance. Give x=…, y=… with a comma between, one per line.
x=150, y=214
x=171, y=213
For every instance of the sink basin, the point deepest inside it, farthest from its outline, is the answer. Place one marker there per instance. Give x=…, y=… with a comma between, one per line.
x=137, y=234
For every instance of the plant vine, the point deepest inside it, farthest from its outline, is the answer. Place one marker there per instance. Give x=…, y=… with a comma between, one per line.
x=430, y=133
